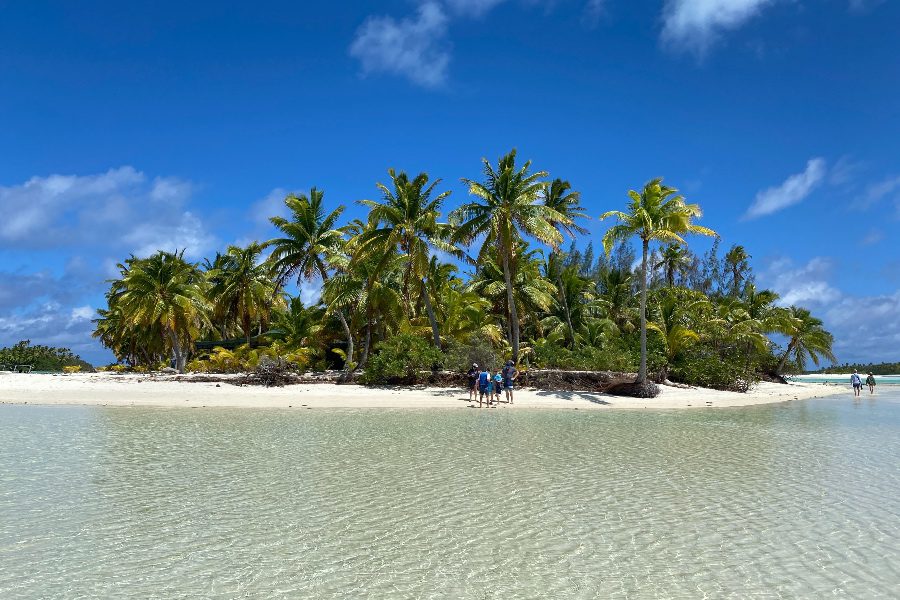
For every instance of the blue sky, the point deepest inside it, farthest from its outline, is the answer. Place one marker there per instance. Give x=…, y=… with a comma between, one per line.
x=125, y=127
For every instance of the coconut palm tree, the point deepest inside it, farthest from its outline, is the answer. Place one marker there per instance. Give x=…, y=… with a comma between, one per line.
x=737, y=261
x=507, y=209
x=656, y=214
x=808, y=340
x=243, y=285
x=559, y=196
x=309, y=247
x=405, y=221
x=167, y=292
x=673, y=259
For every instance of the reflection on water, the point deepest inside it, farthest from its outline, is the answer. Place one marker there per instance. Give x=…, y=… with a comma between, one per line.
x=792, y=500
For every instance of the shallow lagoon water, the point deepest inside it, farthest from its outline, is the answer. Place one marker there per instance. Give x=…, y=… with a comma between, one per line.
x=795, y=500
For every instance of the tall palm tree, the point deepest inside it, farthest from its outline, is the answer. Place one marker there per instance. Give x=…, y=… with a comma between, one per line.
x=405, y=221
x=559, y=196
x=242, y=284
x=673, y=259
x=808, y=339
x=507, y=209
x=656, y=214
x=737, y=261
x=167, y=292
x=309, y=246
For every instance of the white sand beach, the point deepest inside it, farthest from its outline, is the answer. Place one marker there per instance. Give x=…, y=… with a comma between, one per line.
x=108, y=389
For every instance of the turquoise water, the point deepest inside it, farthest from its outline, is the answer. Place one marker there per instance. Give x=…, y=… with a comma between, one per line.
x=799, y=500
x=845, y=379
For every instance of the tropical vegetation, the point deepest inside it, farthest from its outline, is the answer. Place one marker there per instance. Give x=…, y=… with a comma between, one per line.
x=419, y=285
x=41, y=358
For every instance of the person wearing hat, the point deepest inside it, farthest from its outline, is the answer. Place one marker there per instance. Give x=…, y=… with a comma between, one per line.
x=510, y=373
x=870, y=381
x=473, y=381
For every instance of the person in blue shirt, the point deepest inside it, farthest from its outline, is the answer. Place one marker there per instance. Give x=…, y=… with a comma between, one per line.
x=856, y=381
x=498, y=387
x=484, y=380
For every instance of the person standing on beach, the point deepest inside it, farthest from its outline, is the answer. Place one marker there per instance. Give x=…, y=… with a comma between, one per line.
x=484, y=379
x=856, y=382
x=870, y=381
x=510, y=373
x=473, y=381
x=498, y=386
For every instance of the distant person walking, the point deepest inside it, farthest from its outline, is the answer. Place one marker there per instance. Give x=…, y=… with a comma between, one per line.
x=870, y=381
x=510, y=373
x=856, y=382
x=473, y=381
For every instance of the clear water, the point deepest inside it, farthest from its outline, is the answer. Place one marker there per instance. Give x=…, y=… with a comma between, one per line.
x=799, y=500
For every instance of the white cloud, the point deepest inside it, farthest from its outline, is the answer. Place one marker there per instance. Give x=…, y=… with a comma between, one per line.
x=793, y=190
x=120, y=211
x=803, y=286
x=888, y=187
x=873, y=237
x=472, y=8
x=695, y=25
x=413, y=47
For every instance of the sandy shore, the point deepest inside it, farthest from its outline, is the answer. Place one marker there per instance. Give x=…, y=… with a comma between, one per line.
x=107, y=389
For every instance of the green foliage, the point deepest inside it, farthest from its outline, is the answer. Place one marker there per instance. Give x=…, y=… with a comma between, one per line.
x=477, y=349
x=42, y=358
x=706, y=368
x=244, y=358
x=884, y=368
x=400, y=358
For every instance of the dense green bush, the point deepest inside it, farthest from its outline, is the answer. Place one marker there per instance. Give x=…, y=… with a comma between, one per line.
x=706, y=368
x=477, y=349
x=400, y=358
x=43, y=358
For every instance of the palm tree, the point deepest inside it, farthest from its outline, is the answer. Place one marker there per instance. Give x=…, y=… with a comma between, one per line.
x=406, y=221
x=309, y=247
x=242, y=284
x=559, y=196
x=507, y=208
x=656, y=214
x=674, y=258
x=808, y=339
x=737, y=261
x=167, y=292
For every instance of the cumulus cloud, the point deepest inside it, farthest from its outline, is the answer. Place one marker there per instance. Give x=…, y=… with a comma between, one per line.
x=54, y=325
x=865, y=328
x=121, y=210
x=806, y=285
x=413, y=47
x=792, y=191
x=695, y=25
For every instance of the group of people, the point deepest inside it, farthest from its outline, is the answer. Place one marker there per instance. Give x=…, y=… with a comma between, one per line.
x=487, y=384
x=857, y=383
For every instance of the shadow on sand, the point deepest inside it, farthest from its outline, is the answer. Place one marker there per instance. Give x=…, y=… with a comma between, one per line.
x=563, y=395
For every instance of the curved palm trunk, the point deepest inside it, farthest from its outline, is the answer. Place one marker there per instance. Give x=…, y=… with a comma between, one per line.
x=340, y=314
x=565, y=302
x=784, y=358
x=176, y=350
x=513, y=313
x=642, y=372
x=431, y=318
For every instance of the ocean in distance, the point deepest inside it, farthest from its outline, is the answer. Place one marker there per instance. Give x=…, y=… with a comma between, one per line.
x=793, y=500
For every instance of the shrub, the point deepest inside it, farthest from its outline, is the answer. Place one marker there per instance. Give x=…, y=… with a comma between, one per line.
x=399, y=359
x=459, y=356
x=72, y=369
x=706, y=368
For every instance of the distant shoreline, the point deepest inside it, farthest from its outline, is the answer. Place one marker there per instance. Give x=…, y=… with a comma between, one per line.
x=108, y=389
